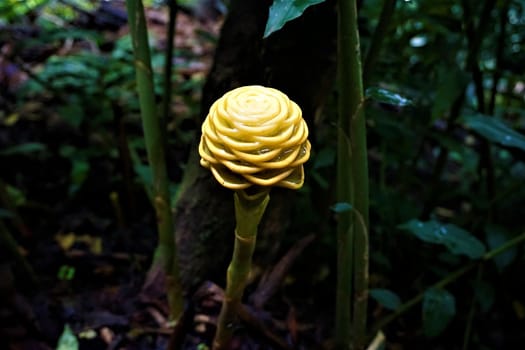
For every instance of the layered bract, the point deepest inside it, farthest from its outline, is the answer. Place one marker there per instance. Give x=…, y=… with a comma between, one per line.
x=255, y=135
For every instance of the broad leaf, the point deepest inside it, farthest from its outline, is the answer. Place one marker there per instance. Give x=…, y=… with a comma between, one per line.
x=495, y=130
x=68, y=340
x=386, y=298
x=387, y=97
x=457, y=240
x=24, y=148
x=79, y=174
x=439, y=307
x=283, y=11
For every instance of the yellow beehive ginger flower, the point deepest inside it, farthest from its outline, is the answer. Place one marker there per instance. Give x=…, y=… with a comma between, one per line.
x=255, y=135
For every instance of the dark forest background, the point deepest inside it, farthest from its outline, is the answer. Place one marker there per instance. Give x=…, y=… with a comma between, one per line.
x=445, y=114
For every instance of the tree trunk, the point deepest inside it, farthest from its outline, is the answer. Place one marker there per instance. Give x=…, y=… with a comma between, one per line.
x=298, y=60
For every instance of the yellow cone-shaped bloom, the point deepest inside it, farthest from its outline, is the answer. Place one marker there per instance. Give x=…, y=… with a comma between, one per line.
x=255, y=135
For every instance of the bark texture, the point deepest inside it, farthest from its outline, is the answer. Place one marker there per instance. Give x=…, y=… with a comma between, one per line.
x=298, y=60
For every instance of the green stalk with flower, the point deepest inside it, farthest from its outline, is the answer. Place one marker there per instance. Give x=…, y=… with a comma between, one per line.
x=253, y=138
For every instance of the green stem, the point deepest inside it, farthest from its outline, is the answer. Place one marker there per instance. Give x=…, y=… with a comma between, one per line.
x=352, y=186
x=449, y=279
x=249, y=210
x=499, y=56
x=486, y=168
x=475, y=37
x=471, y=312
x=166, y=251
x=361, y=282
x=168, y=62
x=379, y=35
x=441, y=160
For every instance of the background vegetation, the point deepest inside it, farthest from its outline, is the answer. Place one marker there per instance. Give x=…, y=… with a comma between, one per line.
x=445, y=118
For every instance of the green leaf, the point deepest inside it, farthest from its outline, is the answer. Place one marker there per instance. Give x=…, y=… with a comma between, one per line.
x=24, y=148
x=386, y=96
x=66, y=273
x=15, y=195
x=457, y=240
x=496, y=236
x=283, y=11
x=439, y=307
x=341, y=207
x=386, y=298
x=12, y=9
x=76, y=34
x=68, y=340
x=495, y=130
x=79, y=173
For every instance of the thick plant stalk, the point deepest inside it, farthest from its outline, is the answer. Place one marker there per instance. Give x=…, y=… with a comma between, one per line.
x=352, y=186
x=168, y=64
x=165, y=256
x=249, y=210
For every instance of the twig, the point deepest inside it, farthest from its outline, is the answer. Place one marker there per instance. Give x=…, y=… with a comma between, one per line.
x=247, y=316
x=271, y=282
x=449, y=279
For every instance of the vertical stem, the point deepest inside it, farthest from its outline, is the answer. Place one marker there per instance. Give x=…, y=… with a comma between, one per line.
x=124, y=155
x=475, y=37
x=166, y=250
x=377, y=38
x=499, y=55
x=441, y=160
x=248, y=213
x=168, y=64
x=352, y=185
x=471, y=312
x=474, y=40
